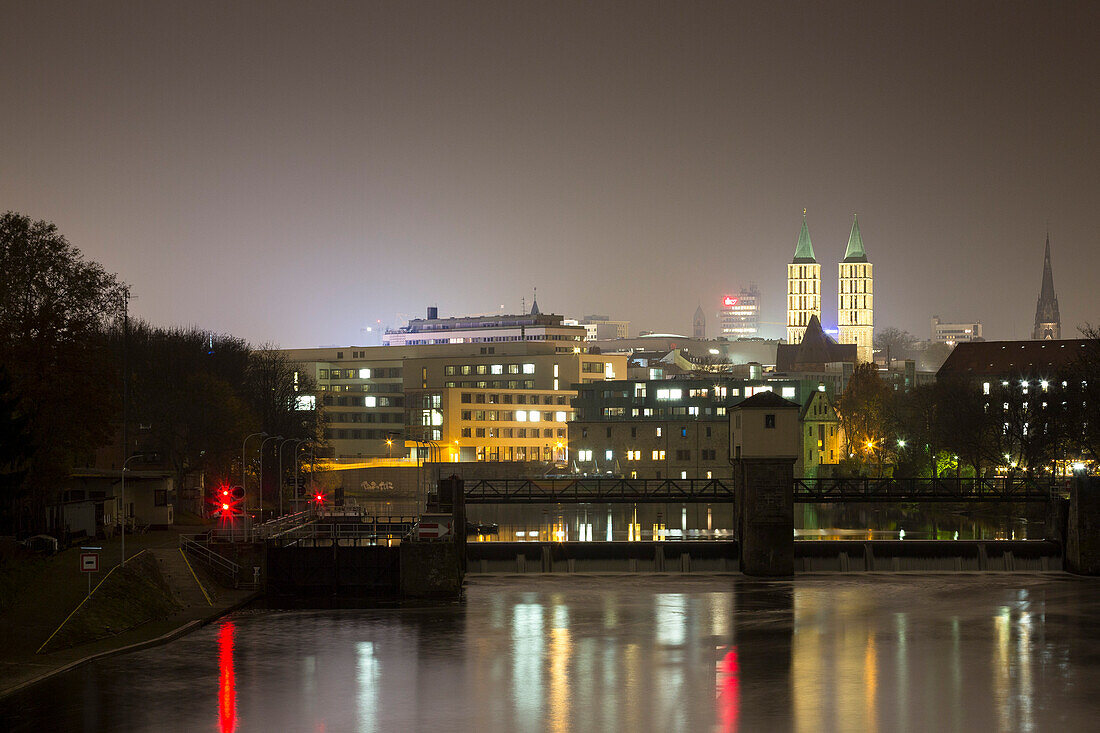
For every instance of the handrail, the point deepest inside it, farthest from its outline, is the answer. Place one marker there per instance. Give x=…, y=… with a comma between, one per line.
x=209, y=557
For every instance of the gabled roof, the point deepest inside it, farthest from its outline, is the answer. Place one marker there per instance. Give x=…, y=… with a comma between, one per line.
x=804, y=252
x=819, y=396
x=764, y=401
x=816, y=349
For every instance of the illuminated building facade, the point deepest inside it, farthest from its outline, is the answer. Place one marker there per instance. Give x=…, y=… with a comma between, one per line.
x=856, y=304
x=803, y=286
x=740, y=314
x=955, y=333
x=506, y=401
x=533, y=326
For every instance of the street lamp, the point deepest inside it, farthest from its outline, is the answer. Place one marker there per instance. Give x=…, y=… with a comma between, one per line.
x=244, y=471
x=280, y=478
x=260, y=492
x=123, y=510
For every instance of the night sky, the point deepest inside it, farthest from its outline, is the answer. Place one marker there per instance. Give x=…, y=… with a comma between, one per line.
x=295, y=172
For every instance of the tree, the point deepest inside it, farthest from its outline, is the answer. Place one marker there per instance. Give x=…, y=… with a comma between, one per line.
x=863, y=413
x=188, y=392
x=54, y=308
x=894, y=341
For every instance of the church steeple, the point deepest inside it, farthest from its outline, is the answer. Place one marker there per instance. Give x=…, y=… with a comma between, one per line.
x=804, y=251
x=803, y=286
x=535, y=303
x=856, y=298
x=1048, y=322
x=855, y=251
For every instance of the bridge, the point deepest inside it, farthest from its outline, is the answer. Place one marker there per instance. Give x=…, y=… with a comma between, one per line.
x=806, y=490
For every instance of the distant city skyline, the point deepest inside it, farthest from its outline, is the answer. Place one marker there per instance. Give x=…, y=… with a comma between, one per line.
x=296, y=174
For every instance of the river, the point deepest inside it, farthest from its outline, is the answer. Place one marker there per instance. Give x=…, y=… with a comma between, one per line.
x=879, y=652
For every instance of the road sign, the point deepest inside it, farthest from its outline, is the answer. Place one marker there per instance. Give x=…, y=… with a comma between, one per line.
x=89, y=562
x=434, y=528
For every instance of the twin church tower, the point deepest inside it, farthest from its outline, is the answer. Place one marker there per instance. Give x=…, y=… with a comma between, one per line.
x=856, y=305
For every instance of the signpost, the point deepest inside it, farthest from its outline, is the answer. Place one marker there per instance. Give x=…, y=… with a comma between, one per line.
x=89, y=563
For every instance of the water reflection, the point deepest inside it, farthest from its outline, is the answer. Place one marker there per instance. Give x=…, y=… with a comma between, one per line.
x=227, y=685
x=639, y=653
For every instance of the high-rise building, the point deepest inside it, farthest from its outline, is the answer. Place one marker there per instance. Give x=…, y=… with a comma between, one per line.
x=856, y=304
x=740, y=314
x=803, y=286
x=699, y=324
x=1048, y=322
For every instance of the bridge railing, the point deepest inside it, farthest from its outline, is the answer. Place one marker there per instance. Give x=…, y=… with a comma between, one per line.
x=806, y=490
x=597, y=490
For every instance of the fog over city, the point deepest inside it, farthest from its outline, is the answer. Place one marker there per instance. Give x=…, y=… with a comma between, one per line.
x=296, y=173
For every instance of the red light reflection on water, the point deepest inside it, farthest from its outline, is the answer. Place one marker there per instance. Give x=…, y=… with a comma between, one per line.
x=227, y=683
x=728, y=691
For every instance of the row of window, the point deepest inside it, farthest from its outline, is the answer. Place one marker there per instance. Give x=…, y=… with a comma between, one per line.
x=707, y=431
x=512, y=432
x=361, y=434
x=465, y=369
x=368, y=417
x=498, y=384
x=706, y=454
x=360, y=373
x=690, y=411
x=515, y=416
x=391, y=387
x=368, y=401
x=520, y=399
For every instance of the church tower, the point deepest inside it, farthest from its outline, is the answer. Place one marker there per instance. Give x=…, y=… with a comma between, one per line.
x=803, y=286
x=699, y=324
x=1048, y=323
x=856, y=305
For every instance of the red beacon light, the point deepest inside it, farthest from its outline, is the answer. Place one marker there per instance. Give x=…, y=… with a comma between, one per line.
x=319, y=498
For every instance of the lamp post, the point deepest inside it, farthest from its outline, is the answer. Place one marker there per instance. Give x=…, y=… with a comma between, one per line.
x=123, y=510
x=280, y=478
x=244, y=470
x=260, y=490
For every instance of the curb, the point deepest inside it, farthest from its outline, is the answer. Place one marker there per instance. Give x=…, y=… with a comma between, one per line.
x=135, y=647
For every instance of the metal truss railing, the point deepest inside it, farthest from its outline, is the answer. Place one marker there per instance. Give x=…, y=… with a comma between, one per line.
x=806, y=490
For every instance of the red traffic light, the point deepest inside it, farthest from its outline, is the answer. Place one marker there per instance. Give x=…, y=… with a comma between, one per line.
x=319, y=498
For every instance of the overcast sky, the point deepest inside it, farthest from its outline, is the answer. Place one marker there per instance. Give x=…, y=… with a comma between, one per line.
x=296, y=172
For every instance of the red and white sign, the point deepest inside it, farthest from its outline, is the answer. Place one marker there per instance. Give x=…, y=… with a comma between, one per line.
x=434, y=528
x=729, y=301
x=89, y=562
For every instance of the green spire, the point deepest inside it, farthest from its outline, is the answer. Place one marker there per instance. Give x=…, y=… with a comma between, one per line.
x=804, y=252
x=855, y=252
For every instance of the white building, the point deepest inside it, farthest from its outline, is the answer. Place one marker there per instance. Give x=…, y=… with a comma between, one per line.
x=955, y=333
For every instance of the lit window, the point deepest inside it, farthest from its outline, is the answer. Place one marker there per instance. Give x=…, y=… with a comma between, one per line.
x=364, y=373
x=788, y=393
x=528, y=368
x=658, y=432
x=521, y=415
x=985, y=387
x=559, y=417
x=370, y=401
x=608, y=454
x=497, y=369
x=633, y=455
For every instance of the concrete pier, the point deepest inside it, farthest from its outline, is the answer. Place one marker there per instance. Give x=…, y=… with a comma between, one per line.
x=1083, y=534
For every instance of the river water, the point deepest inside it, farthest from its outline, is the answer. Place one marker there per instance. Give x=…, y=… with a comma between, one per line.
x=878, y=652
